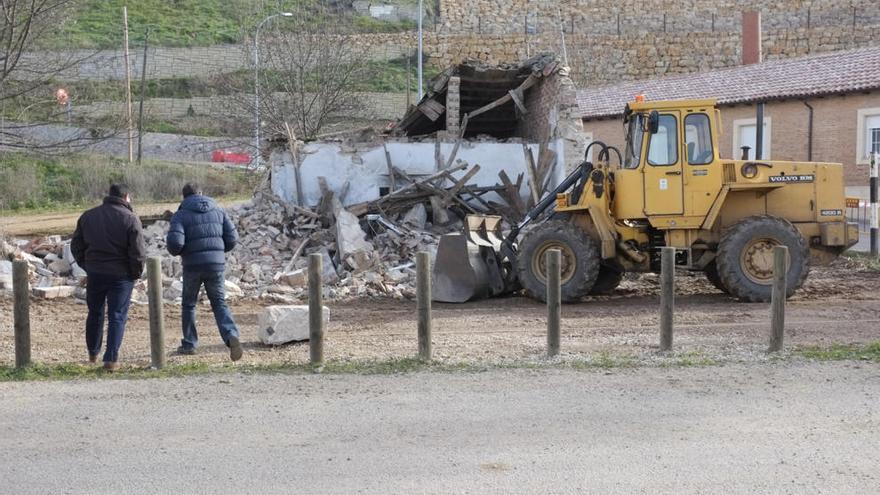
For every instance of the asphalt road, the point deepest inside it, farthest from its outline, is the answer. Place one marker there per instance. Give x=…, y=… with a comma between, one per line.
x=783, y=428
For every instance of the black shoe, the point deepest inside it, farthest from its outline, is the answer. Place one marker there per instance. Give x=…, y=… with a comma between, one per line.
x=186, y=351
x=235, y=350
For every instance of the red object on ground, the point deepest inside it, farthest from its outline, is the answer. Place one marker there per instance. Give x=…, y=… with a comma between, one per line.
x=221, y=156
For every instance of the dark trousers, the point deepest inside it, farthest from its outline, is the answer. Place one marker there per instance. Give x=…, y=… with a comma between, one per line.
x=114, y=294
x=215, y=287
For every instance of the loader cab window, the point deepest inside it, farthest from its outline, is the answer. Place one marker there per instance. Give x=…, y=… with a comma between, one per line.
x=663, y=146
x=634, y=134
x=698, y=136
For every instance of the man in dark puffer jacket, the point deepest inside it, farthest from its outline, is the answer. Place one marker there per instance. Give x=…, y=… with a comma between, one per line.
x=202, y=233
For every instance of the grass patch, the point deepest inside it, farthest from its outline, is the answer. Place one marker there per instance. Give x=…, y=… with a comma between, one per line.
x=79, y=371
x=863, y=261
x=98, y=23
x=842, y=352
x=689, y=359
x=599, y=361
x=603, y=360
x=49, y=183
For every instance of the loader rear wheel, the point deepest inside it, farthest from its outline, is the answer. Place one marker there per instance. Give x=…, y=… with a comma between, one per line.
x=745, y=257
x=609, y=278
x=711, y=272
x=580, y=260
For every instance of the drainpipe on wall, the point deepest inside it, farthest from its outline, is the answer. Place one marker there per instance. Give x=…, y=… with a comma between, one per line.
x=809, y=132
x=759, y=132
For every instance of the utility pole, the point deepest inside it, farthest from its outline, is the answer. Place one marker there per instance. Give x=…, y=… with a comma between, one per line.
x=128, y=85
x=420, y=50
x=143, y=96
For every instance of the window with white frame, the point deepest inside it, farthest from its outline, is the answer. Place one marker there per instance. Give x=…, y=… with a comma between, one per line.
x=869, y=134
x=745, y=134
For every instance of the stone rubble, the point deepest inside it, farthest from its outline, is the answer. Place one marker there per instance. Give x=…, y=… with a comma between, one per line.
x=370, y=256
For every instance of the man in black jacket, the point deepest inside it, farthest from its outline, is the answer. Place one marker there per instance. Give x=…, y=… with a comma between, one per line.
x=109, y=245
x=202, y=233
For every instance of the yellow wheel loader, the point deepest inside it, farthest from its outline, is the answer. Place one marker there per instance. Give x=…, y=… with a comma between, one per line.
x=668, y=187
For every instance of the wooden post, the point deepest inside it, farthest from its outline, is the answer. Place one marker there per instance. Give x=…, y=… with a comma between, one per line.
x=554, y=304
x=21, y=314
x=157, y=320
x=316, y=310
x=423, y=303
x=667, y=296
x=777, y=299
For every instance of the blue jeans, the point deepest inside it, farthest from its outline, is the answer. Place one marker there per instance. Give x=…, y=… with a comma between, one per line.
x=215, y=288
x=115, y=293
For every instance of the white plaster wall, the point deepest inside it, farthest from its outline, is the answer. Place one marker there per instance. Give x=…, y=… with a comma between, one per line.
x=366, y=170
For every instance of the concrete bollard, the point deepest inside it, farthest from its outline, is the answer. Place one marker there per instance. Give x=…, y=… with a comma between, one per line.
x=553, y=259
x=777, y=299
x=157, y=319
x=423, y=303
x=667, y=296
x=316, y=310
x=21, y=313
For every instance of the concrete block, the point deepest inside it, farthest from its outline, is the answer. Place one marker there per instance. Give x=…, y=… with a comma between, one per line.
x=281, y=324
x=54, y=292
x=296, y=278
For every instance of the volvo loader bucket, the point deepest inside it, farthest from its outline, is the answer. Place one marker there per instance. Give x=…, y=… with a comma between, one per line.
x=467, y=265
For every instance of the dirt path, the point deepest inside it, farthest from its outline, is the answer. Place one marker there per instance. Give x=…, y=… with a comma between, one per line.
x=836, y=305
x=735, y=429
x=64, y=223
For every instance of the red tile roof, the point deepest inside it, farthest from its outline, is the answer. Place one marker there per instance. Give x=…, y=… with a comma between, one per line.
x=829, y=73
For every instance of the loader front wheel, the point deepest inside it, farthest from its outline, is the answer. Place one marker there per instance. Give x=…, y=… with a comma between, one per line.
x=745, y=257
x=580, y=260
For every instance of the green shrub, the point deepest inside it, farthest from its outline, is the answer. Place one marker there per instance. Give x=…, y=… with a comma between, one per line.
x=30, y=182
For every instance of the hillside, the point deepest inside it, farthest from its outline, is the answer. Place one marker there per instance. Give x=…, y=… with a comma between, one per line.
x=98, y=23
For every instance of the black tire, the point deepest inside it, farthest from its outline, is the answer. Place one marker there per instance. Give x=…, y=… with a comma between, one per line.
x=580, y=260
x=608, y=279
x=745, y=257
x=711, y=272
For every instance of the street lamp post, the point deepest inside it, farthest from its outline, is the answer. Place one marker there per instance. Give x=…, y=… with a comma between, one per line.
x=257, y=155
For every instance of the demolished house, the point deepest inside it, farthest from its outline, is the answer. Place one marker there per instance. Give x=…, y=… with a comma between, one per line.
x=484, y=139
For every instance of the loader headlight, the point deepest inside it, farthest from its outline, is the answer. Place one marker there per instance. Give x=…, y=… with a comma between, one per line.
x=749, y=170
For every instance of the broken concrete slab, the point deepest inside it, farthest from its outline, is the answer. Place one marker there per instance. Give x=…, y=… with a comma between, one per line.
x=350, y=238
x=54, y=292
x=416, y=217
x=282, y=324
x=296, y=278
x=60, y=267
x=6, y=274
x=232, y=290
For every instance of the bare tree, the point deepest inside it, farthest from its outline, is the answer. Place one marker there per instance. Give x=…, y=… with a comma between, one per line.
x=25, y=72
x=311, y=66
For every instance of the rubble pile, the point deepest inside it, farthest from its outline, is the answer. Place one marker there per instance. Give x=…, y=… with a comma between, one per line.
x=52, y=270
x=369, y=256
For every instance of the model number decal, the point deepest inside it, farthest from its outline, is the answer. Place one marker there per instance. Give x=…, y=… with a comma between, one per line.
x=831, y=213
x=792, y=178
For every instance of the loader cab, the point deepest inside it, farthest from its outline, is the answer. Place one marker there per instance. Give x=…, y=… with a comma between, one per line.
x=670, y=172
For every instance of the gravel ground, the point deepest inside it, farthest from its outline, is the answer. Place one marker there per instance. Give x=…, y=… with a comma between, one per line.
x=797, y=428
x=837, y=305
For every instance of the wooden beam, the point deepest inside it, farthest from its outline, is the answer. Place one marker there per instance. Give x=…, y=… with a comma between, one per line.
x=528, y=83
